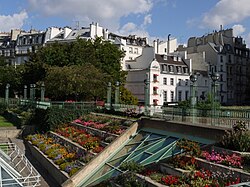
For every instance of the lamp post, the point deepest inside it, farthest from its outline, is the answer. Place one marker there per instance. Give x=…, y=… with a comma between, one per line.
x=193, y=79
x=25, y=92
x=215, y=77
x=146, y=95
x=109, y=95
x=7, y=94
x=31, y=92
x=117, y=93
x=42, y=91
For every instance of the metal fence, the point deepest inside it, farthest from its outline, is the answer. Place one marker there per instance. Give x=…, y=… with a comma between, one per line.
x=224, y=117
x=219, y=117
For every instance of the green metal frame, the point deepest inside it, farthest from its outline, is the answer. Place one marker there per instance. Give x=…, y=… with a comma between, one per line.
x=147, y=146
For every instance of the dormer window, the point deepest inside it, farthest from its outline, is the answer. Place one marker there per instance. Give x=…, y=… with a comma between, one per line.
x=165, y=57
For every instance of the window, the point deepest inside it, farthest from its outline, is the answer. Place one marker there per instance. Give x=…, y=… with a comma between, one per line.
x=186, y=82
x=155, y=101
x=221, y=68
x=165, y=81
x=165, y=96
x=130, y=50
x=205, y=82
x=136, y=51
x=177, y=69
x=179, y=95
x=155, y=90
x=221, y=77
x=179, y=82
x=229, y=59
x=186, y=95
x=185, y=70
x=171, y=81
x=171, y=68
x=172, y=96
x=155, y=78
x=221, y=58
x=221, y=87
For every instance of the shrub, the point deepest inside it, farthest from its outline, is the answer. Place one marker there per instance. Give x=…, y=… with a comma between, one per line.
x=132, y=166
x=238, y=139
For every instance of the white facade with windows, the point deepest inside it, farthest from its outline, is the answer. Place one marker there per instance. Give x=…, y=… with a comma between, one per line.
x=168, y=78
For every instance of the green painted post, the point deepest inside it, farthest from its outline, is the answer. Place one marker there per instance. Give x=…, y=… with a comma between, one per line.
x=146, y=95
x=215, y=77
x=117, y=93
x=31, y=91
x=7, y=94
x=25, y=92
x=193, y=79
x=42, y=91
x=109, y=96
x=34, y=92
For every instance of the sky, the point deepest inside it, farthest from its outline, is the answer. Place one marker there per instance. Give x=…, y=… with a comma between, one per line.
x=155, y=19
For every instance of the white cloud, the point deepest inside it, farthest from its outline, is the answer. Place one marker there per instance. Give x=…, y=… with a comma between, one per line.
x=133, y=29
x=147, y=19
x=238, y=30
x=227, y=12
x=15, y=21
x=107, y=13
x=248, y=40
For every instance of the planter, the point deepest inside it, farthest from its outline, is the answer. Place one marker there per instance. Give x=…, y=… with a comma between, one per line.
x=75, y=147
x=235, y=172
x=167, y=169
x=228, y=151
x=59, y=176
x=97, y=132
x=149, y=182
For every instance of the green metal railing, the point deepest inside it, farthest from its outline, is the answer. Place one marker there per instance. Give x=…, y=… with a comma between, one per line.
x=222, y=117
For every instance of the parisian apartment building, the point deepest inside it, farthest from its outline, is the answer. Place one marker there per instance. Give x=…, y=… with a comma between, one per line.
x=217, y=52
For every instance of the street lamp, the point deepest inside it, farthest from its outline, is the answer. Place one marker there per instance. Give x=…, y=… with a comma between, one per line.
x=109, y=96
x=215, y=77
x=7, y=94
x=193, y=79
x=42, y=91
x=146, y=95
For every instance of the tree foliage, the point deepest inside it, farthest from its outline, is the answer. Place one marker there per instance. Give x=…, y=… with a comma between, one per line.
x=84, y=82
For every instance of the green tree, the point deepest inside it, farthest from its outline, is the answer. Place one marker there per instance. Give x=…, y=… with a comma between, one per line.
x=83, y=82
x=126, y=97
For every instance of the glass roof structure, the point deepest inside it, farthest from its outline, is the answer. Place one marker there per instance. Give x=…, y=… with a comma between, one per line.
x=145, y=147
x=15, y=169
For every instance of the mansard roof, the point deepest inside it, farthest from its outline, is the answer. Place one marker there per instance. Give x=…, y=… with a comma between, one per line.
x=169, y=60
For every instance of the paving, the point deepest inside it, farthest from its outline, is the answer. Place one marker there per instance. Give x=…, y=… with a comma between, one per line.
x=46, y=179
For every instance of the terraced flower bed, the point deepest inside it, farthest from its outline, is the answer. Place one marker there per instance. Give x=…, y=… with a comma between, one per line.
x=65, y=159
x=103, y=123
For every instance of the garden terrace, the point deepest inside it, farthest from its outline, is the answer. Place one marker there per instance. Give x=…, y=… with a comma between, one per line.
x=145, y=141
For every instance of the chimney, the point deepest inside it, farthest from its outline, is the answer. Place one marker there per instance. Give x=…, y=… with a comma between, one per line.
x=168, y=44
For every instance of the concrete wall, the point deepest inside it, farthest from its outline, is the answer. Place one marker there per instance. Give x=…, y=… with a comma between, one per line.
x=201, y=131
x=48, y=165
x=9, y=132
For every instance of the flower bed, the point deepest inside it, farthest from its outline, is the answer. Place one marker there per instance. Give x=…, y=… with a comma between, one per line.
x=195, y=178
x=104, y=136
x=232, y=160
x=105, y=123
x=67, y=161
x=87, y=141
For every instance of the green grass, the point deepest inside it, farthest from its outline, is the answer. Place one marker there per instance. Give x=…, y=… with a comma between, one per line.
x=5, y=123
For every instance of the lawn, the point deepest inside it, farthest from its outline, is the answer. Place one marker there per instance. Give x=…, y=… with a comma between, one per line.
x=5, y=123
